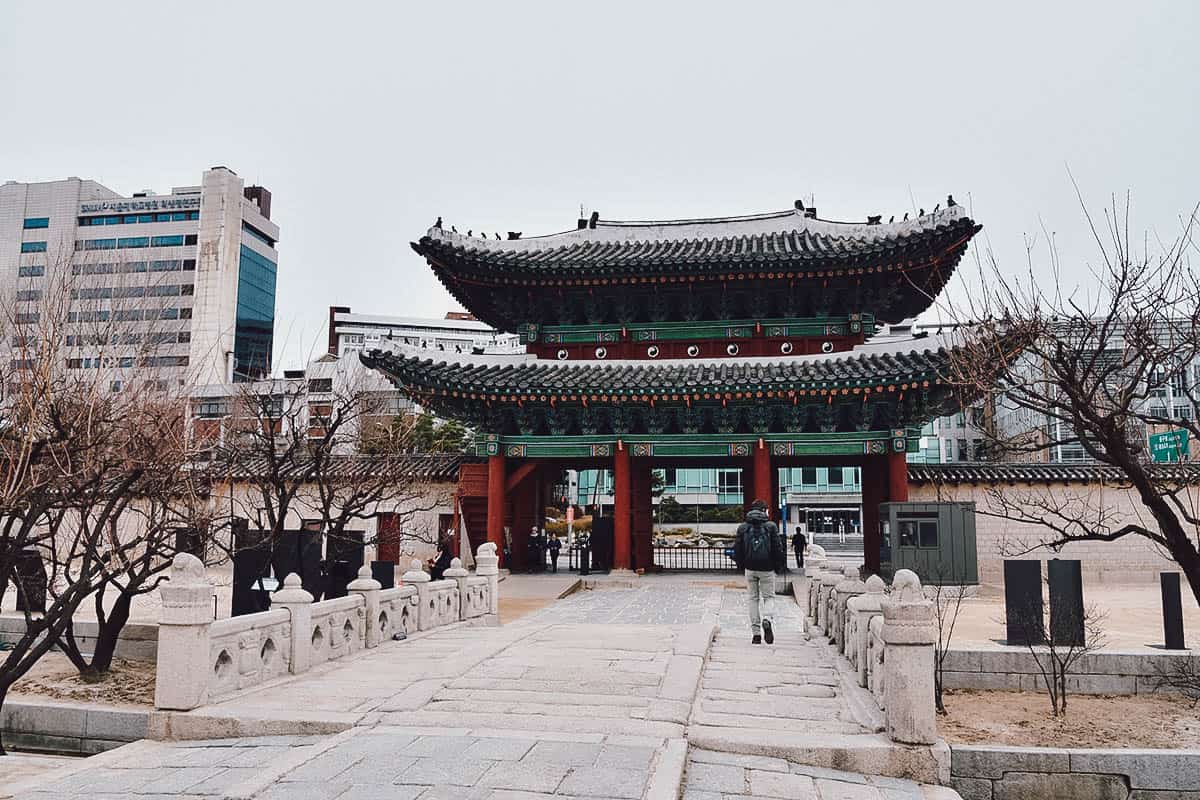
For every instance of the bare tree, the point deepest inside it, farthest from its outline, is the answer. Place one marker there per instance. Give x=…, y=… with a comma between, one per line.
x=1057, y=653
x=1087, y=368
x=79, y=446
x=1180, y=674
x=947, y=603
x=290, y=451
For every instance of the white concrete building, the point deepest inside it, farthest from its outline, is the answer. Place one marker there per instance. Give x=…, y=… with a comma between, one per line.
x=456, y=333
x=188, y=276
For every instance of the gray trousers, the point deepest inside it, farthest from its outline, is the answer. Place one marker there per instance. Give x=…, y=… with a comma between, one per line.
x=760, y=593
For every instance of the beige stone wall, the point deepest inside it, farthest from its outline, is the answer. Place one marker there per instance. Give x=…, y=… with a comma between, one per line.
x=1132, y=559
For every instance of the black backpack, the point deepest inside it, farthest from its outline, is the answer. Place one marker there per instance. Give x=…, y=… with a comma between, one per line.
x=758, y=547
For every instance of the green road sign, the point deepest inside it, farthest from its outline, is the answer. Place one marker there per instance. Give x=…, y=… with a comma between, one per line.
x=1169, y=446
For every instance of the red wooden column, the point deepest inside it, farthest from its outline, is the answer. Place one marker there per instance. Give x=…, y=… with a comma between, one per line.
x=874, y=492
x=495, y=503
x=897, y=465
x=622, y=509
x=762, y=477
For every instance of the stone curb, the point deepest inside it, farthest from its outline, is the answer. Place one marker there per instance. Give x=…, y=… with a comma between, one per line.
x=71, y=727
x=870, y=754
x=1143, y=769
x=667, y=778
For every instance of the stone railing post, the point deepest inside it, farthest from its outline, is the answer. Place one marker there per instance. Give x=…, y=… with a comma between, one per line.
x=459, y=574
x=369, y=588
x=184, y=664
x=908, y=638
x=846, y=590
x=861, y=609
x=298, y=603
x=825, y=584
x=487, y=564
x=419, y=578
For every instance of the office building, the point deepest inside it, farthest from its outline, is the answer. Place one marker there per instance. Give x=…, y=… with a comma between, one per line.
x=182, y=283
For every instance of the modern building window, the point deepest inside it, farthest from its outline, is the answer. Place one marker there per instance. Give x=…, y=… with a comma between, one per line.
x=134, y=241
x=33, y=247
x=1183, y=412
x=96, y=244
x=189, y=264
x=257, y=234
x=29, y=294
x=31, y=271
x=88, y=316
x=26, y=317
x=33, y=223
x=835, y=476
x=168, y=241
x=191, y=238
x=127, y=219
x=808, y=476
x=165, y=361
x=255, y=327
x=185, y=313
x=211, y=408
x=320, y=385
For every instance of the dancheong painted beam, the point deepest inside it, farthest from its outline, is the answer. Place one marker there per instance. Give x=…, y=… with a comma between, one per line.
x=779, y=445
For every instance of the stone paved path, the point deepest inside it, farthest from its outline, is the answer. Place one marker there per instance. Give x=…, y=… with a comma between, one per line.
x=599, y=695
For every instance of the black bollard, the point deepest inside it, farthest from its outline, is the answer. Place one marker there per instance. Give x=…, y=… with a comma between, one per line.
x=1172, y=611
x=1023, y=602
x=1066, y=602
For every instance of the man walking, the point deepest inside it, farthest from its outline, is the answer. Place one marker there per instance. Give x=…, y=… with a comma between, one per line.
x=554, y=546
x=757, y=550
x=799, y=542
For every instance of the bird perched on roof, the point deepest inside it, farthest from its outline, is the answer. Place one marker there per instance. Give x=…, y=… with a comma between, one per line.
x=905, y=217
x=950, y=201
x=935, y=208
x=921, y=213
x=514, y=235
x=799, y=205
x=497, y=237
x=891, y=219
x=454, y=229
x=438, y=223
x=470, y=231
x=874, y=220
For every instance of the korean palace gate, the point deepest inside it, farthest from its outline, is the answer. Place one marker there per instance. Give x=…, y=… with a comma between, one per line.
x=744, y=342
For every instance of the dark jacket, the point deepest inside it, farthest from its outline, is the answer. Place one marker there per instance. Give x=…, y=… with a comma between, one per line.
x=776, y=543
x=799, y=541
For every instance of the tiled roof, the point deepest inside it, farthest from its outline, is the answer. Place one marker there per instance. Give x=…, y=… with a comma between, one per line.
x=897, y=362
x=1035, y=472
x=783, y=236
x=436, y=467
x=907, y=262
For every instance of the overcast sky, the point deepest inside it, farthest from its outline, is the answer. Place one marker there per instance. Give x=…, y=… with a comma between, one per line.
x=368, y=121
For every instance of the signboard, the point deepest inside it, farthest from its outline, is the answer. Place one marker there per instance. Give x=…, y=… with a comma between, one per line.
x=1169, y=446
x=167, y=203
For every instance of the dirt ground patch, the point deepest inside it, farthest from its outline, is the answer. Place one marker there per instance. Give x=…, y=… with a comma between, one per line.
x=128, y=683
x=513, y=608
x=1024, y=719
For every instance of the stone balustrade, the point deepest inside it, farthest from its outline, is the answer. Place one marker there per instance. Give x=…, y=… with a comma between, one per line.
x=201, y=660
x=888, y=638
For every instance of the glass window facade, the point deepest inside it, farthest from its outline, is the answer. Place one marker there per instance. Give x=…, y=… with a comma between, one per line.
x=31, y=271
x=254, y=335
x=33, y=247
x=33, y=223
